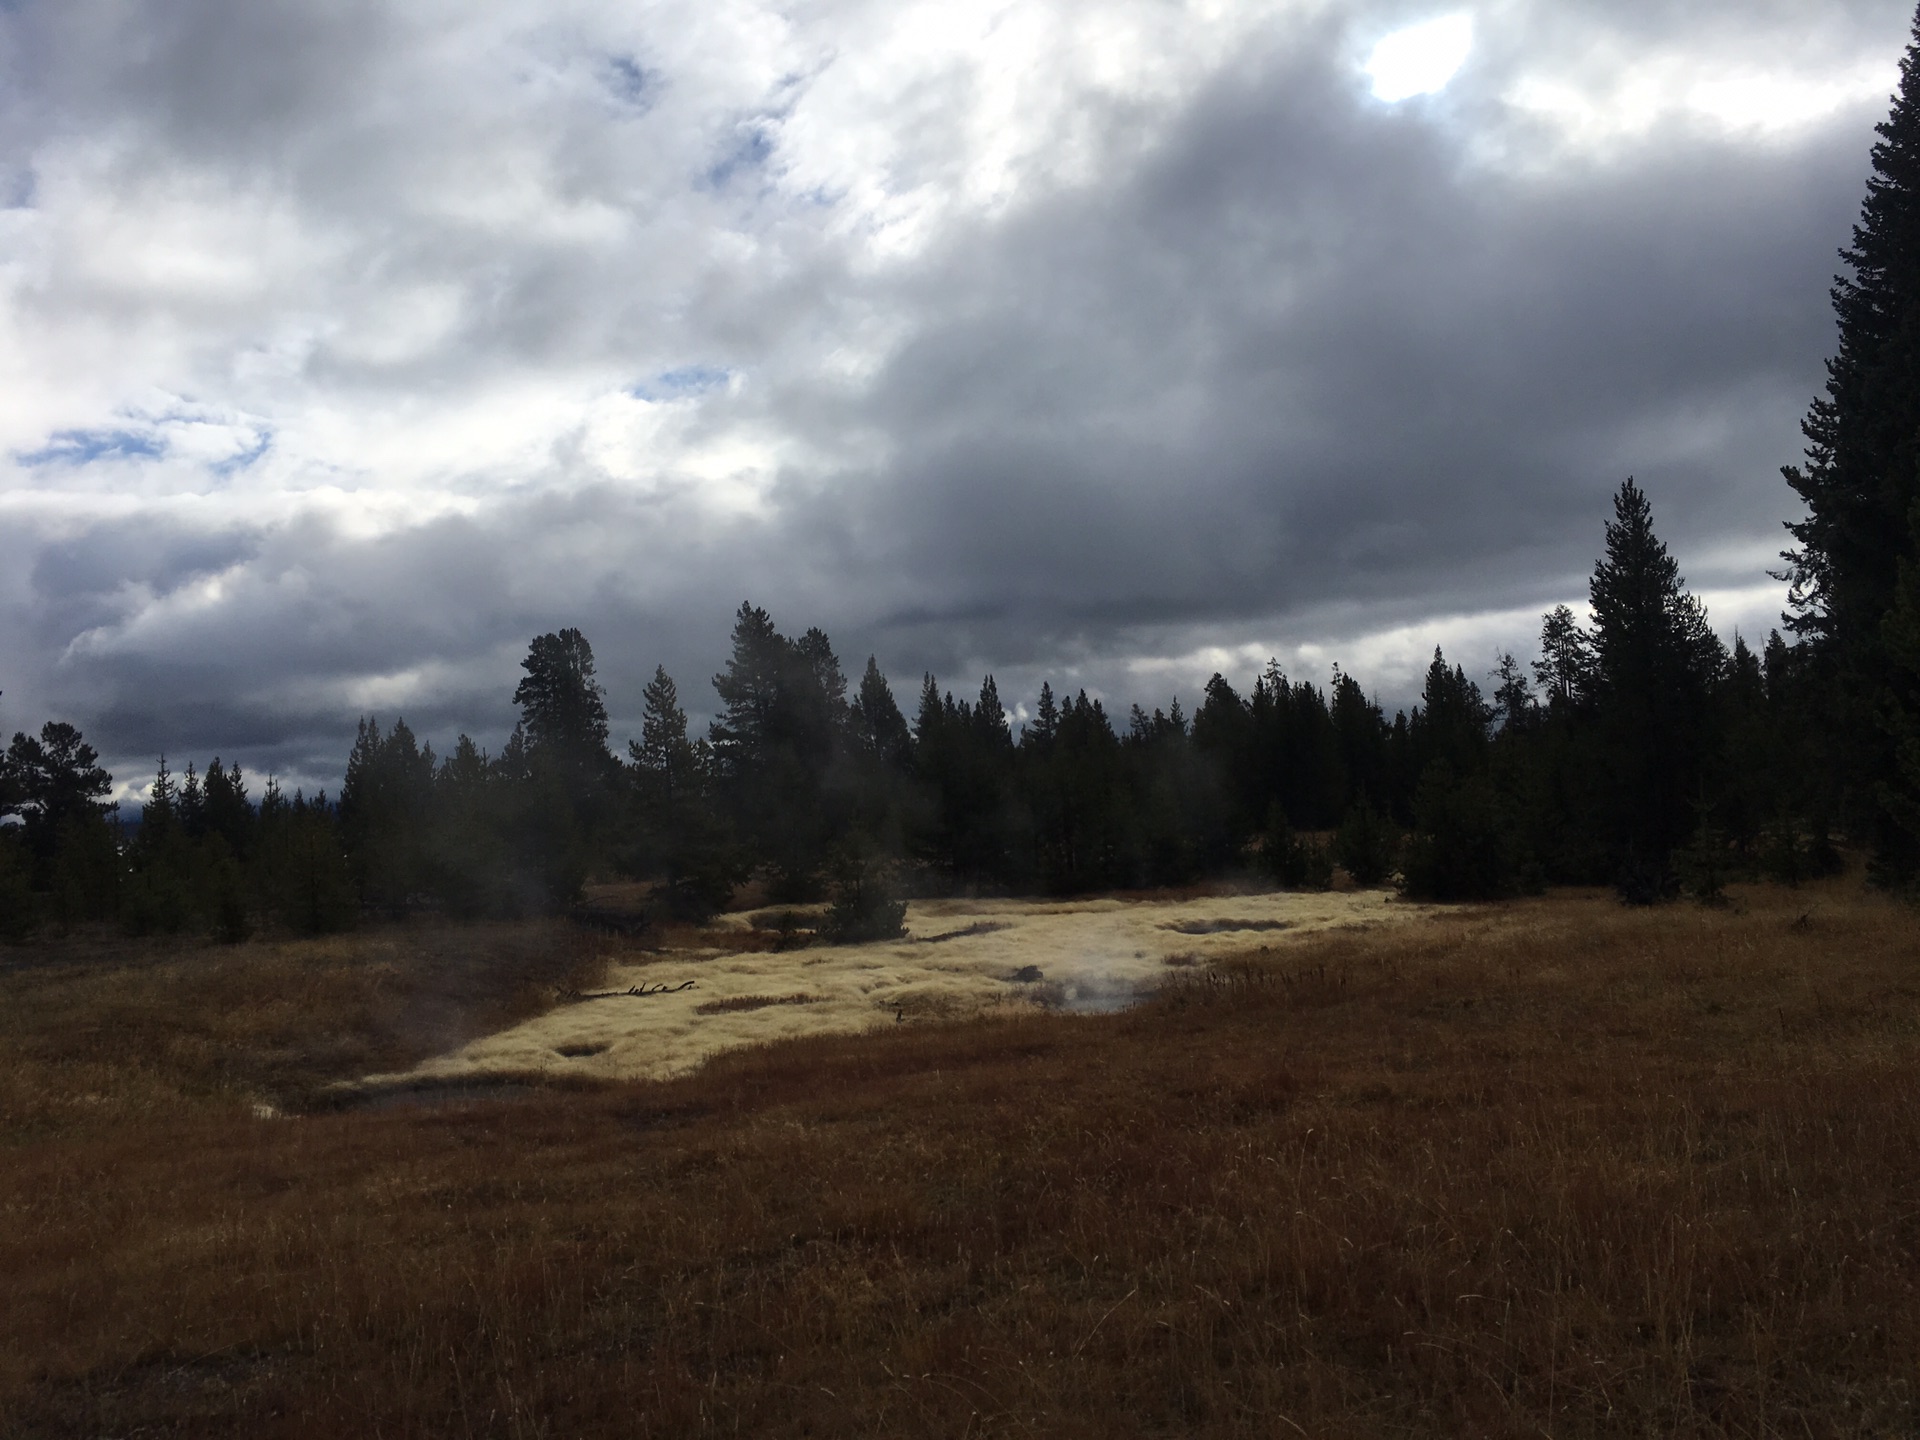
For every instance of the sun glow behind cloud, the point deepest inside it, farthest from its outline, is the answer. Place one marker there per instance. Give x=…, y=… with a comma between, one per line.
x=1420, y=59
x=1618, y=100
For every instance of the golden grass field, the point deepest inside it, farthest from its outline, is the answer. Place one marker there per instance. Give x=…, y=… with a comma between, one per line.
x=1548, y=1168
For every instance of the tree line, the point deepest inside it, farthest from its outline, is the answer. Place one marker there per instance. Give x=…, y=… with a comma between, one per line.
x=1636, y=750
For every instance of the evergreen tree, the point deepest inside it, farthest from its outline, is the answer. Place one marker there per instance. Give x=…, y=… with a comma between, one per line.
x=1656, y=667
x=877, y=775
x=964, y=755
x=1366, y=846
x=1856, y=564
x=1744, y=776
x=1081, y=817
x=1046, y=720
x=386, y=810
x=192, y=805
x=1565, y=667
x=564, y=805
x=54, y=778
x=1223, y=738
x=1449, y=727
x=1362, y=732
x=59, y=790
x=1551, y=771
x=158, y=894
x=229, y=813
x=1514, y=707
x=778, y=744
x=867, y=904
x=561, y=703
x=1464, y=844
x=678, y=839
x=1183, y=823
x=749, y=690
x=879, y=727
x=19, y=908
x=467, y=853
x=317, y=895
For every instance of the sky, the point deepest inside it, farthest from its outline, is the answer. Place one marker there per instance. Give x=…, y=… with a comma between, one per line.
x=347, y=347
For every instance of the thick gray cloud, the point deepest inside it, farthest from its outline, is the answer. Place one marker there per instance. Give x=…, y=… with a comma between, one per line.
x=351, y=346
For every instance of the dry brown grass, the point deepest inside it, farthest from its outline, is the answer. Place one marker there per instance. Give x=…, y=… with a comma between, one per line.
x=1553, y=1168
x=735, y=1003
x=95, y=1029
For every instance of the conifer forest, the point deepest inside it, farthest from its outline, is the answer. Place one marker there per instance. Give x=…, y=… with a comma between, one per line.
x=1638, y=751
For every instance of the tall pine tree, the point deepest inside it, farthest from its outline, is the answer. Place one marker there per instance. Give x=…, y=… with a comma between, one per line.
x=1856, y=566
x=1656, y=663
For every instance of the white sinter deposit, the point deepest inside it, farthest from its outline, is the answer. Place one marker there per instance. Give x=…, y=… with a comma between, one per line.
x=960, y=957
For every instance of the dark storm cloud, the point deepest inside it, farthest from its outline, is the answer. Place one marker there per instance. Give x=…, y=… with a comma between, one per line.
x=1278, y=366
x=1311, y=358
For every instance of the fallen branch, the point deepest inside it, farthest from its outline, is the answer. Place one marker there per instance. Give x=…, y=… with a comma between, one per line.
x=641, y=992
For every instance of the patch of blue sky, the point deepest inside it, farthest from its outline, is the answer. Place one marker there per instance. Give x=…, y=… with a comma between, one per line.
x=751, y=152
x=681, y=383
x=244, y=459
x=630, y=81
x=74, y=448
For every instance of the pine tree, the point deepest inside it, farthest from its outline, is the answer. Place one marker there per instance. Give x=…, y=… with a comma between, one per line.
x=1565, y=667
x=877, y=780
x=157, y=897
x=677, y=836
x=60, y=792
x=54, y=777
x=777, y=743
x=228, y=812
x=879, y=727
x=1046, y=719
x=466, y=847
x=749, y=690
x=561, y=702
x=1361, y=729
x=1513, y=703
x=385, y=815
x=1856, y=566
x=565, y=802
x=1656, y=664
x=1449, y=727
x=1223, y=738
x=192, y=805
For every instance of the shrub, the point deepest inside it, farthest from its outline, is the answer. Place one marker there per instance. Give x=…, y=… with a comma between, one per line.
x=1296, y=862
x=1705, y=866
x=866, y=901
x=1366, y=845
x=1463, y=846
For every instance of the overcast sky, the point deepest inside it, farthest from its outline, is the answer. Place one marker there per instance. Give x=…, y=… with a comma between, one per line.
x=346, y=347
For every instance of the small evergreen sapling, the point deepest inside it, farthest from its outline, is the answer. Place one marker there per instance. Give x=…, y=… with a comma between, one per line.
x=867, y=904
x=1366, y=846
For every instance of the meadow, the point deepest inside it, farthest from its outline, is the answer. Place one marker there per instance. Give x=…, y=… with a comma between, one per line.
x=1552, y=1167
